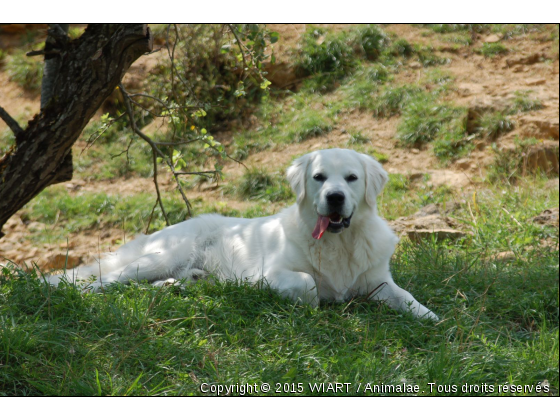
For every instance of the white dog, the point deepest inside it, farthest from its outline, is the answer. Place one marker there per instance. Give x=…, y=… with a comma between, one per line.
x=330, y=245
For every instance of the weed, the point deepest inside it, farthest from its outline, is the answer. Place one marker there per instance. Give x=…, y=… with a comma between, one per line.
x=492, y=49
x=511, y=164
x=369, y=41
x=392, y=100
x=357, y=138
x=458, y=39
x=494, y=124
x=424, y=121
x=523, y=103
x=326, y=56
x=400, y=48
x=428, y=58
x=258, y=184
x=444, y=28
x=380, y=157
x=306, y=124
x=452, y=146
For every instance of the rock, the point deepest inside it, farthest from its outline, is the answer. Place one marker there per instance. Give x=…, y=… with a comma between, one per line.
x=542, y=125
x=504, y=256
x=415, y=65
x=535, y=82
x=447, y=178
x=414, y=151
x=529, y=59
x=14, y=223
x=281, y=75
x=463, y=164
x=420, y=235
x=493, y=38
x=541, y=157
x=60, y=261
x=548, y=217
x=428, y=222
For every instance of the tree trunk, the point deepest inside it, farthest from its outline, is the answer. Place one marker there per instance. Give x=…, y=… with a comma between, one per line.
x=90, y=69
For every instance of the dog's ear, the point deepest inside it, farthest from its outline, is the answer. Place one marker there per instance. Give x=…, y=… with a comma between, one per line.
x=376, y=178
x=296, y=176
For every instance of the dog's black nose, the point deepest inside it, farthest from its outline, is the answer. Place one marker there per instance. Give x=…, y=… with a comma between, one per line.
x=335, y=198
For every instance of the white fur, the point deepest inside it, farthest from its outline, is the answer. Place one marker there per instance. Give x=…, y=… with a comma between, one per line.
x=279, y=249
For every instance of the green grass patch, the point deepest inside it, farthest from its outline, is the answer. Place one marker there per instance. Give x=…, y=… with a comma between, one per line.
x=258, y=184
x=392, y=99
x=522, y=102
x=64, y=213
x=492, y=49
x=424, y=120
x=494, y=124
x=499, y=325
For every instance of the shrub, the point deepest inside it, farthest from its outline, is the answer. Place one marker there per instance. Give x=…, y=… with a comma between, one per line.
x=324, y=52
x=209, y=75
x=369, y=41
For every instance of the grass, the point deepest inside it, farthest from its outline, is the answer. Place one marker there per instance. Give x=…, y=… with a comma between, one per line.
x=25, y=71
x=258, y=184
x=393, y=99
x=499, y=324
x=493, y=49
x=424, y=121
x=494, y=124
x=64, y=213
x=510, y=165
x=522, y=102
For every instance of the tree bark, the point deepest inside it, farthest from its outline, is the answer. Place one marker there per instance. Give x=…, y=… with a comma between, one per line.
x=90, y=69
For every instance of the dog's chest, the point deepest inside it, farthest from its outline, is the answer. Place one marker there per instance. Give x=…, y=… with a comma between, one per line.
x=338, y=263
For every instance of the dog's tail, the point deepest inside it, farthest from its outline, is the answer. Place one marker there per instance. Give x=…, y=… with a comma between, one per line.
x=111, y=261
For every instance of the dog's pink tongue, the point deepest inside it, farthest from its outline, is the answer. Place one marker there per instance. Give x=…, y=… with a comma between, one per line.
x=320, y=227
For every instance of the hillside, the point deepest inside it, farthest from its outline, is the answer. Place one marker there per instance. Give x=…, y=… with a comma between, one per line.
x=501, y=80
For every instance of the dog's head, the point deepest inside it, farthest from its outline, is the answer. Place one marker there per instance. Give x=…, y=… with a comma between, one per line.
x=333, y=184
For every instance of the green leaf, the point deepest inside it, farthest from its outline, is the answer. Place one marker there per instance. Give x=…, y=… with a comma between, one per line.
x=274, y=36
x=266, y=83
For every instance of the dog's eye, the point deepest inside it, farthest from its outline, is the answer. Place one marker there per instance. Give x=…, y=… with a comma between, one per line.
x=319, y=177
x=351, y=178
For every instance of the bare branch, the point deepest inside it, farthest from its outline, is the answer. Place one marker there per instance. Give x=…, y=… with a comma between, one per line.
x=41, y=52
x=232, y=29
x=155, y=151
x=10, y=122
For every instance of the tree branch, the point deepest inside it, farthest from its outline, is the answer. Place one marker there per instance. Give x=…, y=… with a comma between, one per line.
x=155, y=150
x=10, y=122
